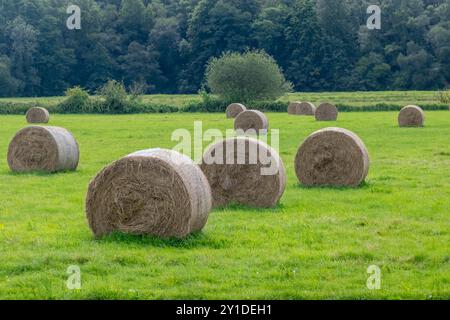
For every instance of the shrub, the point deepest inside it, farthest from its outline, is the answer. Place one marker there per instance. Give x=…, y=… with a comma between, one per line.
x=444, y=96
x=77, y=101
x=115, y=99
x=247, y=77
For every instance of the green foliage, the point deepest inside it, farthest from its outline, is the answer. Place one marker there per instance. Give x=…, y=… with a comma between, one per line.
x=114, y=99
x=444, y=96
x=8, y=84
x=77, y=101
x=21, y=108
x=346, y=101
x=320, y=45
x=252, y=76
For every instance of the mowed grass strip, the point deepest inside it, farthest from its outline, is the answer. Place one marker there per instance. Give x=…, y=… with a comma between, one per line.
x=318, y=243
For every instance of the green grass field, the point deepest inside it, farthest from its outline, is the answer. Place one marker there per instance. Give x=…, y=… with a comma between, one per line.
x=349, y=98
x=318, y=243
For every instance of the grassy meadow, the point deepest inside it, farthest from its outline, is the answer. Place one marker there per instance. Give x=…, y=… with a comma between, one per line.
x=348, y=98
x=316, y=244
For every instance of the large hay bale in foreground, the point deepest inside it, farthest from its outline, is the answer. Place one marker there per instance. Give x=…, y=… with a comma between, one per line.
x=411, y=116
x=306, y=109
x=326, y=112
x=38, y=115
x=43, y=149
x=244, y=171
x=234, y=109
x=251, y=120
x=152, y=192
x=332, y=157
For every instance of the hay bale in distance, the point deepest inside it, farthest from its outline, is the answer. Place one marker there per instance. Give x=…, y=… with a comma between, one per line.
x=332, y=157
x=253, y=120
x=234, y=109
x=244, y=171
x=293, y=108
x=411, y=116
x=326, y=112
x=43, y=149
x=38, y=115
x=153, y=192
x=306, y=109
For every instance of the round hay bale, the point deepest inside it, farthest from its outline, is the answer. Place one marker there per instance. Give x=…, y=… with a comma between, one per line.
x=326, y=112
x=332, y=157
x=293, y=108
x=37, y=115
x=43, y=149
x=153, y=192
x=251, y=120
x=411, y=116
x=234, y=109
x=306, y=109
x=244, y=171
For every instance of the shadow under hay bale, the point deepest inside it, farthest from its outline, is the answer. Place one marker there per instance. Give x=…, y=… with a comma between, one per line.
x=332, y=157
x=43, y=149
x=153, y=192
x=411, y=116
x=326, y=112
x=38, y=115
x=234, y=109
x=251, y=120
x=244, y=171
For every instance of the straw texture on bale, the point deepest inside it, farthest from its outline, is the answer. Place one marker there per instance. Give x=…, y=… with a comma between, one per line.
x=251, y=120
x=235, y=109
x=411, y=116
x=37, y=115
x=326, y=112
x=244, y=171
x=306, y=109
x=294, y=108
x=43, y=149
x=153, y=192
x=332, y=157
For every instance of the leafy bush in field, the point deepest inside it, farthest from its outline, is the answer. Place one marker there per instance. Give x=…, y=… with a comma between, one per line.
x=251, y=76
x=77, y=101
x=114, y=98
x=444, y=96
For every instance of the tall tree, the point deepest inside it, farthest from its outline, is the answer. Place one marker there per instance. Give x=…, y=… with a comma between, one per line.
x=23, y=39
x=339, y=32
x=8, y=84
x=304, y=47
x=217, y=26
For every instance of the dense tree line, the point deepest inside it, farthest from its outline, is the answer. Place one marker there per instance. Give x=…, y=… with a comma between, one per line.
x=164, y=45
